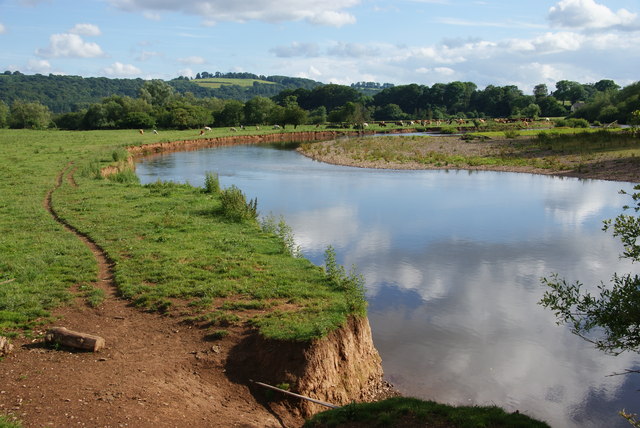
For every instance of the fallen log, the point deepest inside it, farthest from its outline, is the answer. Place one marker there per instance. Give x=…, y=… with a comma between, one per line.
x=74, y=339
x=5, y=346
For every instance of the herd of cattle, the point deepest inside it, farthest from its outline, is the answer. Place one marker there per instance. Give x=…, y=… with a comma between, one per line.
x=523, y=122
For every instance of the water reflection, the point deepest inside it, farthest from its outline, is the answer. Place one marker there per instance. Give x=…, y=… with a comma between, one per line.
x=452, y=262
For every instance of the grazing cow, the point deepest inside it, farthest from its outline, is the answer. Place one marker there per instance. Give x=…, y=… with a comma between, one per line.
x=141, y=131
x=276, y=126
x=234, y=130
x=155, y=131
x=206, y=128
x=257, y=128
x=202, y=132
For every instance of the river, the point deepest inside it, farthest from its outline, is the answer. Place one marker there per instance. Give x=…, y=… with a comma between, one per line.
x=452, y=262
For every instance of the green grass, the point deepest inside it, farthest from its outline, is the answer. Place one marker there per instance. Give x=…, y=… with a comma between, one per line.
x=403, y=412
x=217, y=82
x=173, y=247
x=6, y=422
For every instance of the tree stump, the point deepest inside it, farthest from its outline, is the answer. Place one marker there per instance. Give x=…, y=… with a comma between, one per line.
x=74, y=339
x=5, y=346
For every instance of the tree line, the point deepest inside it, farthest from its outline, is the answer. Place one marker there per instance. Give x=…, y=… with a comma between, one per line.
x=63, y=94
x=156, y=103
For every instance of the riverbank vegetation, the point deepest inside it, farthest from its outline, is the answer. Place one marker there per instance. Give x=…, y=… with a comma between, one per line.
x=595, y=153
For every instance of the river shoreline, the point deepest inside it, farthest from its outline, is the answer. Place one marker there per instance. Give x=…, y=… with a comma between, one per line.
x=609, y=167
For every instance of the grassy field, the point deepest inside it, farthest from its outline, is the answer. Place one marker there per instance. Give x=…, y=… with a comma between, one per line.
x=216, y=82
x=173, y=247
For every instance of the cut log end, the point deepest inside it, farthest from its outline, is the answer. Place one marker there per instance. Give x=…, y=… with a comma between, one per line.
x=5, y=346
x=74, y=339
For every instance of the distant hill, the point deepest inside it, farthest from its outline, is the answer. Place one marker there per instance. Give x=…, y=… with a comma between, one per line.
x=71, y=93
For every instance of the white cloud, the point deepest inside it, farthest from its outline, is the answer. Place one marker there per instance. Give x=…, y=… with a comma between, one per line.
x=3, y=29
x=320, y=12
x=192, y=60
x=332, y=18
x=186, y=72
x=39, y=66
x=69, y=45
x=85, y=30
x=587, y=14
x=296, y=49
x=446, y=71
x=352, y=50
x=147, y=55
x=119, y=69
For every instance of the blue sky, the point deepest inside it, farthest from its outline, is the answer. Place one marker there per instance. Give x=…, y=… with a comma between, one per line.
x=497, y=42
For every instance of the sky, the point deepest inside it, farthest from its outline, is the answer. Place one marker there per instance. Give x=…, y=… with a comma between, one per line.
x=488, y=42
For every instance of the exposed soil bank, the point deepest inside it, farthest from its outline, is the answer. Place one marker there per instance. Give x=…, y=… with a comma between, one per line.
x=339, y=369
x=201, y=143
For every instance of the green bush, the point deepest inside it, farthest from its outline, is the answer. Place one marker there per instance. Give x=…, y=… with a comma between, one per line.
x=511, y=133
x=211, y=183
x=572, y=123
x=352, y=283
x=235, y=206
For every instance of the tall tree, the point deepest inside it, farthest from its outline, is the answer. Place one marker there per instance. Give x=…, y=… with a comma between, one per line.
x=4, y=114
x=29, y=115
x=156, y=92
x=540, y=91
x=257, y=110
x=606, y=85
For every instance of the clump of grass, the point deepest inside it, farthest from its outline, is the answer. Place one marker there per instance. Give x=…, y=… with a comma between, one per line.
x=235, y=206
x=280, y=228
x=511, y=133
x=572, y=123
x=217, y=335
x=211, y=183
x=7, y=422
x=402, y=411
x=91, y=169
x=448, y=130
x=126, y=176
x=120, y=155
x=245, y=305
x=94, y=296
x=352, y=283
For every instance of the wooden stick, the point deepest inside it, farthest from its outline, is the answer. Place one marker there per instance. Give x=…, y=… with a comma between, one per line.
x=284, y=391
x=74, y=339
x=7, y=281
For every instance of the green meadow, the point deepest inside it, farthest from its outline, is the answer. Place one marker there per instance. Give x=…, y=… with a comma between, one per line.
x=216, y=82
x=175, y=247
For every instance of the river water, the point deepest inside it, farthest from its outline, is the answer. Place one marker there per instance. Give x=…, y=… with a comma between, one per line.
x=452, y=262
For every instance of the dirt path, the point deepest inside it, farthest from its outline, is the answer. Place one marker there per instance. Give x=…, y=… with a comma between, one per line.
x=154, y=371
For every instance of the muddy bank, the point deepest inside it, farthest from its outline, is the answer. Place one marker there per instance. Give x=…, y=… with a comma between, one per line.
x=201, y=143
x=338, y=369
